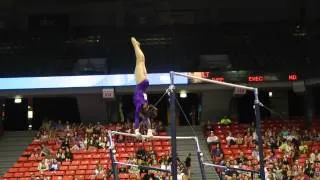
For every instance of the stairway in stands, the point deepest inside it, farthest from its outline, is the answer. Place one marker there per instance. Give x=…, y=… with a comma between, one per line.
x=12, y=145
x=188, y=146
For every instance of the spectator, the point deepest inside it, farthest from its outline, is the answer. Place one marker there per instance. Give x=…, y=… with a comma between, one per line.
x=212, y=139
x=303, y=148
x=99, y=169
x=255, y=153
x=45, y=151
x=217, y=154
x=188, y=164
x=230, y=139
x=241, y=159
x=54, y=166
x=239, y=139
x=60, y=156
x=69, y=155
x=43, y=166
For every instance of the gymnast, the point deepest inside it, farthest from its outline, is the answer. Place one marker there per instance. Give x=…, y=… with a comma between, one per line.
x=144, y=111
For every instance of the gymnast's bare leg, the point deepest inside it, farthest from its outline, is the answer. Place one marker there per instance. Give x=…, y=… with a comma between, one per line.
x=140, y=96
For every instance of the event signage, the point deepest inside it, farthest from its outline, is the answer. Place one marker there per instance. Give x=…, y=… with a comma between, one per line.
x=108, y=93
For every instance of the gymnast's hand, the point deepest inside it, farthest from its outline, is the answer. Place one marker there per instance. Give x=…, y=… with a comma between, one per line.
x=135, y=42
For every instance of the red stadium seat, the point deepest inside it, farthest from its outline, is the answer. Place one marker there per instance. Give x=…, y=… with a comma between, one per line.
x=73, y=168
x=63, y=168
x=80, y=172
x=85, y=162
x=18, y=174
x=87, y=156
x=166, y=148
x=105, y=161
x=13, y=170
x=22, y=169
x=77, y=156
x=94, y=161
x=163, y=134
x=91, y=166
x=65, y=163
x=70, y=172
x=124, y=176
x=120, y=145
x=80, y=177
x=18, y=165
x=147, y=143
x=77, y=162
x=124, y=155
x=158, y=148
x=27, y=164
x=8, y=175
x=96, y=156
x=68, y=177
x=82, y=167
x=156, y=143
x=130, y=149
x=166, y=143
x=129, y=144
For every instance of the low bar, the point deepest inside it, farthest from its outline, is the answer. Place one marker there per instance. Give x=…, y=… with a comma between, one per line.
x=146, y=167
x=215, y=82
x=225, y=167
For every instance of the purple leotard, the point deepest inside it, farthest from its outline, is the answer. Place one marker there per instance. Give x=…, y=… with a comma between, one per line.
x=139, y=99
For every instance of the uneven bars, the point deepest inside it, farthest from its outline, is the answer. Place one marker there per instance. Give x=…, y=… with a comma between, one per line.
x=226, y=167
x=215, y=82
x=153, y=137
x=146, y=167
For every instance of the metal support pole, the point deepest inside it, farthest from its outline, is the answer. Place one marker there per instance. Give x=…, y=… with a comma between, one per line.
x=200, y=160
x=113, y=161
x=174, y=165
x=258, y=131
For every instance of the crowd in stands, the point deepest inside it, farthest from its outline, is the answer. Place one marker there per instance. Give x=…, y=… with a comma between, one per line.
x=291, y=150
x=61, y=146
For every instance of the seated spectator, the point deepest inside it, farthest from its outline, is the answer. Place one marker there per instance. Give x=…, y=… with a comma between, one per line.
x=230, y=139
x=103, y=141
x=35, y=153
x=43, y=166
x=239, y=139
x=306, y=136
x=54, y=166
x=60, y=156
x=212, y=139
x=59, y=125
x=242, y=158
x=313, y=156
x=65, y=143
x=89, y=130
x=217, y=154
x=247, y=140
x=303, y=148
x=45, y=150
x=99, y=170
x=44, y=137
x=69, y=155
x=255, y=153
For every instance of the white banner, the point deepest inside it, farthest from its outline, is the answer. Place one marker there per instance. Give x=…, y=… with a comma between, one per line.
x=108, y=93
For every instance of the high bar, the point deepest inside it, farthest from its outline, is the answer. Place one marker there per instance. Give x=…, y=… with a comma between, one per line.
x=214, y=81
x=146, y=167
x=153, y=137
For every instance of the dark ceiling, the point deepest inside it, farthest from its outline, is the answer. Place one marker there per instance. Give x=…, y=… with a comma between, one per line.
x=51, y=37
